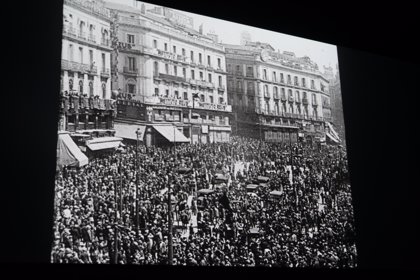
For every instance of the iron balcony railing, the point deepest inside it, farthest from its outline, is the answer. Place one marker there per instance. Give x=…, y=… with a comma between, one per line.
x=105, y=72
x=77, y=104
x=105, y=42
x=129, y=70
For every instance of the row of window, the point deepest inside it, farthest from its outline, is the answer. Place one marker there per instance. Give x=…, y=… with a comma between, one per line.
x=183, y=52
x=289, y=109
x=290, y=93
x=81, y=50
x=184, y=73
x=80, y=87
x=82, y=25
x=177, y=95
x=275, y=77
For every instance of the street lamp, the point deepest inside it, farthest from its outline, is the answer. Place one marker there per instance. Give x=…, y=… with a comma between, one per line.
x=137, y=182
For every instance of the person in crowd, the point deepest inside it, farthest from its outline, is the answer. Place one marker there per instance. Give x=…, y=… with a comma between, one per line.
x=310, y=225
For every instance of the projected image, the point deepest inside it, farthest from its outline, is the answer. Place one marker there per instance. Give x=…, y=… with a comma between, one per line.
x=189, y=140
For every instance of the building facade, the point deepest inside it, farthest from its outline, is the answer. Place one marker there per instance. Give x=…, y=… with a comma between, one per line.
x=337, y=104
x=275, y=96
x=169, y=74
x=85, y=67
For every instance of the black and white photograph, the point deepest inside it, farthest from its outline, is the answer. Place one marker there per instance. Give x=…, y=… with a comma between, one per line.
x=188, y=140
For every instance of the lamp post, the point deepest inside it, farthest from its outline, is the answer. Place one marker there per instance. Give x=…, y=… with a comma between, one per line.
x=137, y=182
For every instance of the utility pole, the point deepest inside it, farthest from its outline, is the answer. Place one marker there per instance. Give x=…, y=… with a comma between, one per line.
x=170, y=223
x=115, y=226
x=137, y=183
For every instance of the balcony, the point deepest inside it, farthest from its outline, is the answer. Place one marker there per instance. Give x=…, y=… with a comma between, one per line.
x=91, y=38
x=297, y=100
x=201, y=65
x=305, y=101
x=74, y=66
x=219, y=69
x=221, y=88
x=70, y=31
x=296, y=84
x=105, y=42
x=266, y=94
x=77, y=104
x=92, y=70
x=201, y=83
x=90, y=7
x=82, y=35
x=281, y=81
x=313, y=88
x=314, y=102
x=251, y=92
x=276, y=96
x=130, y=71
x=290, y=98
x=171, y=78
x=105, y=72
x=283, y=98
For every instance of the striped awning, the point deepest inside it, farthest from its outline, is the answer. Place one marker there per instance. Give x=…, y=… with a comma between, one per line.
x=171, y=133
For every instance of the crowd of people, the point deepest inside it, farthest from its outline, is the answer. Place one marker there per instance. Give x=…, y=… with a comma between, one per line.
x=115, y=209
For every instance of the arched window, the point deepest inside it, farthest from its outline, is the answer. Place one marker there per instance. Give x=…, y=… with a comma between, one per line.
x=82, y=29
x=156, y=68
x=91, y=36
x=276, y=107
x=90, y=88
x=103, y=90
x=276, y=92
x=70, y=84
x=80, y=86
x=70, y=52
x=265, y=90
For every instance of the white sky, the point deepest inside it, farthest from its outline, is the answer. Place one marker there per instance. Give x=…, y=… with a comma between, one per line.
x=229, y=33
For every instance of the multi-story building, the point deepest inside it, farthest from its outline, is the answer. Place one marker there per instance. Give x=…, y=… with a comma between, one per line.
x=276, y=96
x=85, y=67
x=337, y=103
x=163, y=65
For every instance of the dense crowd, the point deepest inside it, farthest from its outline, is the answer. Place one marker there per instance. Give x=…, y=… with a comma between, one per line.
x=309, y=224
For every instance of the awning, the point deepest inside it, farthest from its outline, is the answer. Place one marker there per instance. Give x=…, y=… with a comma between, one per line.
x=171, y=133
x=128, y=131
x=68, y=154
x=103, y=146
x=332, y=138
x=103, y=143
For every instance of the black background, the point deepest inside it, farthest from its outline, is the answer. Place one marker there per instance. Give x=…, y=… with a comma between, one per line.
x=379, y=78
